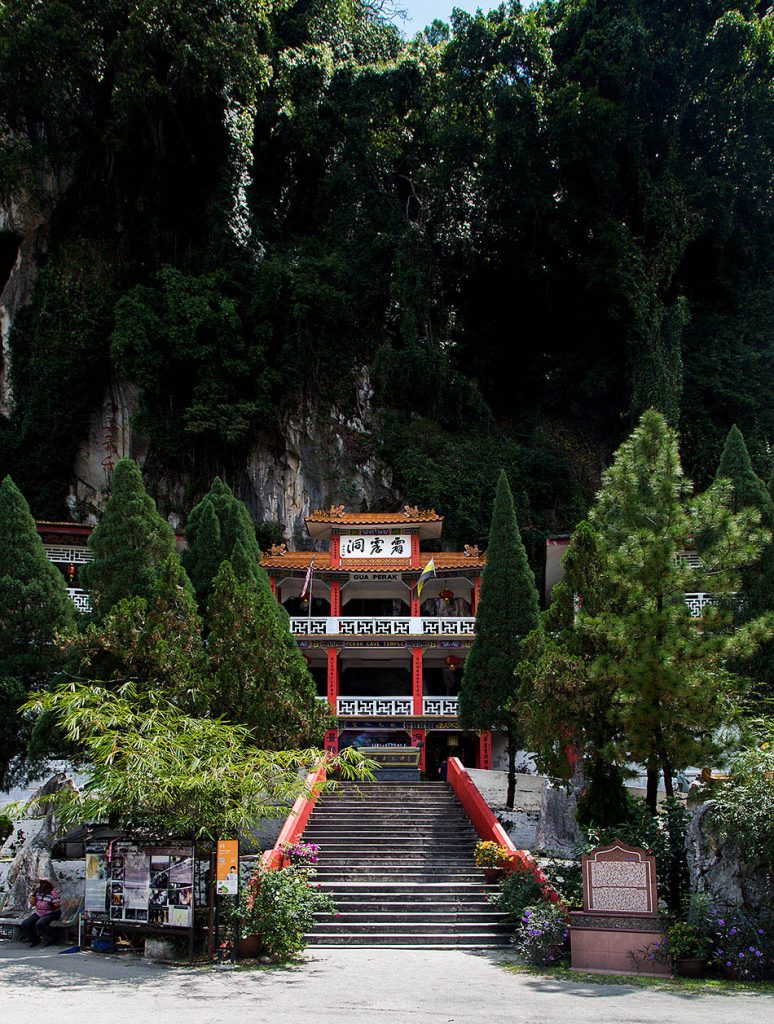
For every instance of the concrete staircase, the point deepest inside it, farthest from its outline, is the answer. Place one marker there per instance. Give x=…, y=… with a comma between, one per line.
x=397, y=858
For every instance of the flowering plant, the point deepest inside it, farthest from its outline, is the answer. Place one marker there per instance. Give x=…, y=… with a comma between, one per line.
x=301, y=853
x=542, y=935
x=490, y=855
x=741, y=944
x=280, y=906
x=517, y=890
x=685, y=942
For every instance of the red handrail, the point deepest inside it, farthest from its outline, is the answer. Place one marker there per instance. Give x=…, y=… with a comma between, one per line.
x=296, y=821
x=488, y=827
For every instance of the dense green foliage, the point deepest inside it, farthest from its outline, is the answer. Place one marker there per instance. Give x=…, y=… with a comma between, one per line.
x=154, y=767
x=280, y=907
x=33, y=606
x=507, y=611
x=531, y=225
x=630, y=676
x=756, y=595
x=129, y=544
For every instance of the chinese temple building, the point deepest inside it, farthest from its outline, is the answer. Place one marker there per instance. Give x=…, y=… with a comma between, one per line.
x=66, y=546
x=387, y=659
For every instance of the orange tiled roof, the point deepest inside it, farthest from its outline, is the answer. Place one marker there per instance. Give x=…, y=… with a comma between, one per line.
x=408, y=514
x=322, y=562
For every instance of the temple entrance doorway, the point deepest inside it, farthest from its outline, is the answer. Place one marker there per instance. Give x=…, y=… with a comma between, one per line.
x=442, y=744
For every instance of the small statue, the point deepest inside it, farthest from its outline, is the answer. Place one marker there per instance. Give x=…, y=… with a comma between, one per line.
x=471, y=551
x=337, y=510
x=278, y=550
x=410, y=510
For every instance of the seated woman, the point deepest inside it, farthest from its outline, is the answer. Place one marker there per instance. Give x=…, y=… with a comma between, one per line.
x=47, y=908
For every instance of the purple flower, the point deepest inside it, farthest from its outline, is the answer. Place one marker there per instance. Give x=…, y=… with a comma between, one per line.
x=751, y=948
x=760, y=931
x=719, y=952
x=732, y=931
x=758, y=952
x=741, y=956
x=721, y=921
x=729, y=964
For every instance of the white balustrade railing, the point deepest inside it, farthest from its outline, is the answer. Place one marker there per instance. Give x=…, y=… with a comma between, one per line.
x=440, y=706
x=375, y=706
x=80, y=599
x=698, y=602
x=371, y=625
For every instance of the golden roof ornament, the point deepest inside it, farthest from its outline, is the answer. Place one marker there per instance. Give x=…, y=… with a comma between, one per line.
x=471, y=551
x=409, y=511
x=278, y=550
x=337, y=510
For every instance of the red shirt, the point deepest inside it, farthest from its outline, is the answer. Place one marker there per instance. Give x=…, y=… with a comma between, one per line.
x=46, y=903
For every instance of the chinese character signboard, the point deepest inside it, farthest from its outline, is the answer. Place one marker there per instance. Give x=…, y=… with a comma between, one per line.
x=619, y=879
x=227, y=872
x=359, y=545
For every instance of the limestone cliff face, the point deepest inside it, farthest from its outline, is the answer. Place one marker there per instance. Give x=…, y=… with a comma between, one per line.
x=323, y=457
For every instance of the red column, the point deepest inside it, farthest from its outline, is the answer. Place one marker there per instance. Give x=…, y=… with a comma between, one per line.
x=415, y=612
x=414, y=550
x=332, y=741
x=335, y=551
x=333, y=677
x=335, y=598
x=273, y=582
x=418, y=740
x=485, y=749
x=416, y=679
x=476, y=593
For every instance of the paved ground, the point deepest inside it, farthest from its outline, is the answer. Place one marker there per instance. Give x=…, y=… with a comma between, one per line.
x=338, y=986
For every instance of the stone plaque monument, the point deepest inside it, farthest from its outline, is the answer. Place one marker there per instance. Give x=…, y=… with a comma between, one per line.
x=620, y=910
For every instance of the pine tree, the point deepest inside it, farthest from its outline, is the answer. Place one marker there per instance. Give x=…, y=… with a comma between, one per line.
x=757, y=585
x=154, y=642
x=260, y=678
x=507, y=612
x=208, y=547
x=129, y=543
x=667, y=672
x=34, y=606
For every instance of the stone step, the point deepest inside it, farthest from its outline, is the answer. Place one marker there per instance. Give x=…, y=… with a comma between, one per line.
x=445, y=932
x=407, y=903
x=410, y=940
x=364, y=914
x=412, y=890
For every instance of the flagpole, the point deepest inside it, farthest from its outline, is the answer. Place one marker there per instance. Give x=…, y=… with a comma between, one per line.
x=311, y=582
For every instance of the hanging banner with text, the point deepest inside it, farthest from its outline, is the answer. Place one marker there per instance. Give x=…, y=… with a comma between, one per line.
x=227, y=867
x=360, y=545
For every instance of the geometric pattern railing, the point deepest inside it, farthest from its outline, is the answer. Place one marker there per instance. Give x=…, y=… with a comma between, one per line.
x=698, y=602
x=78, y=556
x=372, y=625
x=440, y=706
x=374, y=706
x=80, y=599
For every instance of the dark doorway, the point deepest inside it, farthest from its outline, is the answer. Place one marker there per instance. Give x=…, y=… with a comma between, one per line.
x=440, y=745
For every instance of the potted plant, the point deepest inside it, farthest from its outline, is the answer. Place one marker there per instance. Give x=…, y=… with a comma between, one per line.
x=688, y=949
x=301, y=854
x=492, y=857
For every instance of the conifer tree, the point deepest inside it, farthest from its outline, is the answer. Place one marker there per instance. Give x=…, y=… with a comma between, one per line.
x=129, y=543
x=757, y=584
x=260, y=678
x=154, y=642
x=507, y=612
x=34, y=606
x=667, y=672
x=208, y=546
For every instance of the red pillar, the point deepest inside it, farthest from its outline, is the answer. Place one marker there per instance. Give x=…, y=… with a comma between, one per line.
x=333, y=677
x=418, y=740
x=485, y=749
x=476, y=593
x=416, y=678
x=415, y=602
x=273, y=582
x=335, y=598
x=332, y=741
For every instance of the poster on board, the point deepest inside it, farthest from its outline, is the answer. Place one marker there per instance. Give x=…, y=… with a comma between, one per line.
x=227, y=864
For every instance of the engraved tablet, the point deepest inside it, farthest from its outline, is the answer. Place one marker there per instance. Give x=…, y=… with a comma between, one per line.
x=619, y=879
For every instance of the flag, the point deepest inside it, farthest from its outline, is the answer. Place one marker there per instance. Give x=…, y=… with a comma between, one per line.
x=427, y=572
x=307, y=587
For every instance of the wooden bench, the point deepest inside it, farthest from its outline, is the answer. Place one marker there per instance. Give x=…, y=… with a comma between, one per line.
x=11, y=919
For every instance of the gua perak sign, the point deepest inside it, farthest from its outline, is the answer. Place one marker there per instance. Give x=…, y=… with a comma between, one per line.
x=361, y=545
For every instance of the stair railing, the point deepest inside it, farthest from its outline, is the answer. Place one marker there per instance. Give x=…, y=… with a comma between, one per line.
x=488, y=827
x=297, y=820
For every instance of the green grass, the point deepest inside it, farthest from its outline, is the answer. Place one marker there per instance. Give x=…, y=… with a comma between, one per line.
x=717, y=986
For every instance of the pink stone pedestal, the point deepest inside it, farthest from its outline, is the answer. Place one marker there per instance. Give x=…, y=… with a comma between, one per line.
x=603, y=944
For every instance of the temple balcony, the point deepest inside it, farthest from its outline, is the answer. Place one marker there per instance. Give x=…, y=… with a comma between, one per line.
x=373, y=625
x=80, y=599
x=395, y=707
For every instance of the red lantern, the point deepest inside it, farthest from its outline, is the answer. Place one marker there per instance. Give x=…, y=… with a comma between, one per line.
x=446, y=594
x=452, y=661
x=70, y=573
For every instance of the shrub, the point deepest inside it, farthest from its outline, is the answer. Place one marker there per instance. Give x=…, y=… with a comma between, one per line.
x=280, y=907
x=686, y=942
x=567, y=879
x=742, y=944
x=518, y=890
x=6, y=827
x=301, y=853
x=542, y=936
